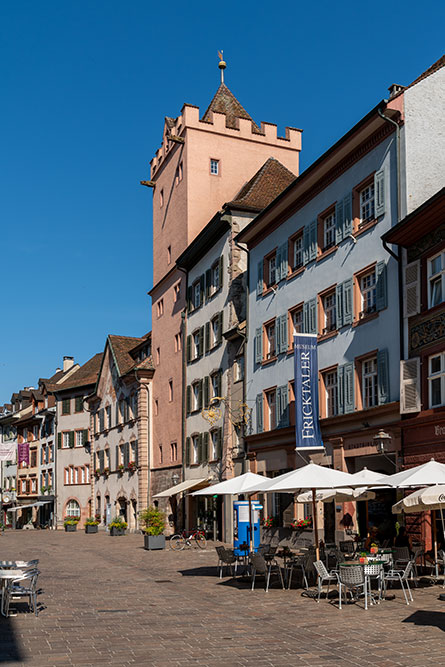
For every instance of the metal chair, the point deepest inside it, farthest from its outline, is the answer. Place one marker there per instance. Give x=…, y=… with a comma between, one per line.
x=402, y=577
x=23, y=586
x=226, y=558
x=324, y=575
x=347, y=547
x=401, y=557
x=259, y=566
x=352, y=578
x=374, y=571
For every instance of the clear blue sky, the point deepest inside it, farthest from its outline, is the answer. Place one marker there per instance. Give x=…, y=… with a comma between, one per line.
x=85, y=87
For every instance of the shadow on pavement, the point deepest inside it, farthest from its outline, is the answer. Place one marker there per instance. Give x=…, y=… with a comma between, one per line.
x=9, y=648
x=203, y=571
x=432, y=618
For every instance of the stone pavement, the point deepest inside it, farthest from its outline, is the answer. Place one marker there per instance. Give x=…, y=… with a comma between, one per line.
x=106, y=601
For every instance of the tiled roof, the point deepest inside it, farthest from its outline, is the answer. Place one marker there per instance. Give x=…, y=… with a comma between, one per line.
x=85, y=375
x=146, y=364
x=264, y=186
x=121, y=347
x=225, y=102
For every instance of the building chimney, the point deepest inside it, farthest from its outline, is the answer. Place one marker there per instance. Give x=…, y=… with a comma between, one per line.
x=394, y=89
x=68, y=362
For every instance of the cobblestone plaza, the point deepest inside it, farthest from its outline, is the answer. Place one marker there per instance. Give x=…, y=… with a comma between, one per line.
x=107, y=601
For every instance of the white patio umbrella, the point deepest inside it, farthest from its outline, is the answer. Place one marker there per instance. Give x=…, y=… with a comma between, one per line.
x=339, y=495
x=368, y=477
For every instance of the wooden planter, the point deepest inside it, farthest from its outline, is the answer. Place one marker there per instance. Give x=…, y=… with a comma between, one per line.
x=71, y=528
x=91, y=529
x=153, y=542
x=114, y=532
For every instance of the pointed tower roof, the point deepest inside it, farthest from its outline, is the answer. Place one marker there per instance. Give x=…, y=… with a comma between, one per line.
x=225, y=102
x=263, y=187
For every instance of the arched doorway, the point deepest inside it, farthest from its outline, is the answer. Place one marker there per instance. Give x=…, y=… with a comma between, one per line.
x=122, y=509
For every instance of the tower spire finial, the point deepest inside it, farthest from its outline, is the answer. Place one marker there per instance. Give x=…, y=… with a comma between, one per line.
x=222, y=65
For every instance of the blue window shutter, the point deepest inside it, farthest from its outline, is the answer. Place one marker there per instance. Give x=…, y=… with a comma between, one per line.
x=313, y=240
x=339, y=221
x=278, y=406
x=313, y=316
x=259, y=413
x=283, y=333
x=258, y=345
x=259, y=284
x=306, y=244
x=284, y=262
x=339, y=305
x=341, y=389
x=306, y=317
x=379, y=192
x=347, y=215
x=278, y=265
x=284, y=405
x=383, y=376
x=349, y=387
x=381, y=290
x=347, y=301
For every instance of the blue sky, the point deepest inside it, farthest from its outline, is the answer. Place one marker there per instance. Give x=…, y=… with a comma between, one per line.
x=85, y=88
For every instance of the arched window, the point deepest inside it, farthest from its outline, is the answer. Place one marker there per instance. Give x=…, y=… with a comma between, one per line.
x=73, y=508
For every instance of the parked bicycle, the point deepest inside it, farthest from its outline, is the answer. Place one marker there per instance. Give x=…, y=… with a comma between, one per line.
x=186, y=539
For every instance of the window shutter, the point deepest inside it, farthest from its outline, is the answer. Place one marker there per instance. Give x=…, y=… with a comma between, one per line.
x=411, y=289
x=71, y=439
x=207, y=337
x=259, y=413
x=189, y=299
x=208, y=282
x=189, y=348
x=348, y=392
x=117, y=456
x=347, y=215
x=339, y=305
x=85, y=436
x=219, y=382
x=306, y=317
x=220, y=328
x=221, y=267
x=200, y=448
x=201, y=342
x=219, y=449
x=341, y=389
x=200, y=395
x=381, y=286
x=189, y=399
x=206, y=391
x=278, y=260
x=313, y=240
x=59, y=441
x=187, y=451
x=259, y=283
x=282, y=267
x=383, y=376
x=410, y=386
x=101, y=460
x=284, y=405
x=136, y=452
x=258, y=345
x=379, y=192
x=306, y=242
x=201, y=289
x=312, y=316
x=117, y=412
x=339, y=226
x=282, y=333
x=205, y=447
x=347, y=301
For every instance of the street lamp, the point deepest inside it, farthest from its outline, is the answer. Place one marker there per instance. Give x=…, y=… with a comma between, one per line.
x=175, y=478
x=382, y=441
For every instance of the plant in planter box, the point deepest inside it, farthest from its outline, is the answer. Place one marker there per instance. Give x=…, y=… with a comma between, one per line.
x=117, y=526
x=121, y=468
x=70, y=523
x=106, y=472
x=153, y=524
x=301, y=524
x=132, y=466
x=97, y=472
x=91, y=525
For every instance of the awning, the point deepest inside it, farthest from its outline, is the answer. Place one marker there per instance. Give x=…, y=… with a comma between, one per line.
x=183, y=486
x=22, y=507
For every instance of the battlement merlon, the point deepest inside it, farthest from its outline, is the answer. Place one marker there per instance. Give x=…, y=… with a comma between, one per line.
x=244, y=129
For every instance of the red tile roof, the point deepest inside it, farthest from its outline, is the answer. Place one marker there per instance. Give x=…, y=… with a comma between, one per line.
x=225, y=102
x=85, y=375
x=122, y=347
x=263, y=187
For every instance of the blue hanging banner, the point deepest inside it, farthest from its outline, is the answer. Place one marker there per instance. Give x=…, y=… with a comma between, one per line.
x=307, y=424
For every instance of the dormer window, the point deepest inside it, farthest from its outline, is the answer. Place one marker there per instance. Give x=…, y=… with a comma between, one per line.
x=214, y=167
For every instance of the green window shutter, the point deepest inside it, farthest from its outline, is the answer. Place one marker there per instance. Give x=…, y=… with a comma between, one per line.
x=66, y=406
x=200, y=395
x=339, y=226
x=219, y=450
x=306, y=317
x=71, y=439
x=347, y=215
x=201, y=341
x=202, y=289
x=189, y=299
x=339, y=305
x=259, y=283
x=259, y=413
x=258, y=345
x=347, y=301
x=207, y=337
x=101, y=460
x=341, y=389
x=85, y=436
x=117, y=457
x=189, y=349
x=221, y=266
x=117, y=412
x=313, y=240
x=208, y=282
x=79, y=404
x=220, y=327
x=189, y=399
x=187, y=451
x=59, y=441
x=126, y=454
x=206, y=391
x=381, y=290
x=383, y=376
x=205, y=447
x=379, y=192
x=349, y=387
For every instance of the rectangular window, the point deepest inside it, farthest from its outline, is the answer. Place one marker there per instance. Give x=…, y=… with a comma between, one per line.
x=436, y=380
x=197, y=344
x=169, y=254
x=215, y=384
x=174, y=451
x=329, y=311
x=65, y=439
x=35, y=432
x=270, y=347
x=101, y=420
x=297, y=252
x=367, y=204
x=177, y=291
x=215, y=329
x=296, y=323
x=270, y=273
x=76, y=475
x=156, y=407
x=158, y=356
x=331, y=388
x=160, y=307
x=170, y=391
x=161, y=198
x=87, y=474
x=66, y=406
x=82, y=475
x=271, y=407
x=214, y=277
x=71, y=475
x=177, y=342
x=436, y=278
x=196, y=294
x=239, y=369
x=369, y=383
x=368, y=294
x=214, y=167
x=214, y=441
x=195, y=448
x=67, y=478
x=195, y=396
x=80, y=438
x=329, y=231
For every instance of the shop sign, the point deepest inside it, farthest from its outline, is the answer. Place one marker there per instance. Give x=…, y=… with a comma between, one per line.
x=307, y=424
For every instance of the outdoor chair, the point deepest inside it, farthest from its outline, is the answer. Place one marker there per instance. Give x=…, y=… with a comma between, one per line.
x=401, y=557
x=332, y=556
x=24, y=564
x=402, y=577
x=347, y=547
x=303, y=564
x=226, y=558
x=352, y=578
x=324, y=575
x=23, y=586
x=259, y=566
x=374, y=571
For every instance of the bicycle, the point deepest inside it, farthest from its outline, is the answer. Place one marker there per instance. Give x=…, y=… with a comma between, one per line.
x=182, y=540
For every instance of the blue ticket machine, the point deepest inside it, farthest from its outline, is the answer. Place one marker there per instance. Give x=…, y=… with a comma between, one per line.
x=241, y=526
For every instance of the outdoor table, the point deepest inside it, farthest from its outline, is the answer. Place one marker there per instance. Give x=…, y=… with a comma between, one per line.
x=371, y=561
x=4, y=576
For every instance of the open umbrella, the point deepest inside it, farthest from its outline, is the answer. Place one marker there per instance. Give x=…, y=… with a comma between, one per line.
x=339, y=495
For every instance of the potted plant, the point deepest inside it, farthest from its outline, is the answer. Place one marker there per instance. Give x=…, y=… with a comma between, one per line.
x=153, y=524
x=70, y=523
x=132, y=466
x=91, y=525
x=117, y=526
